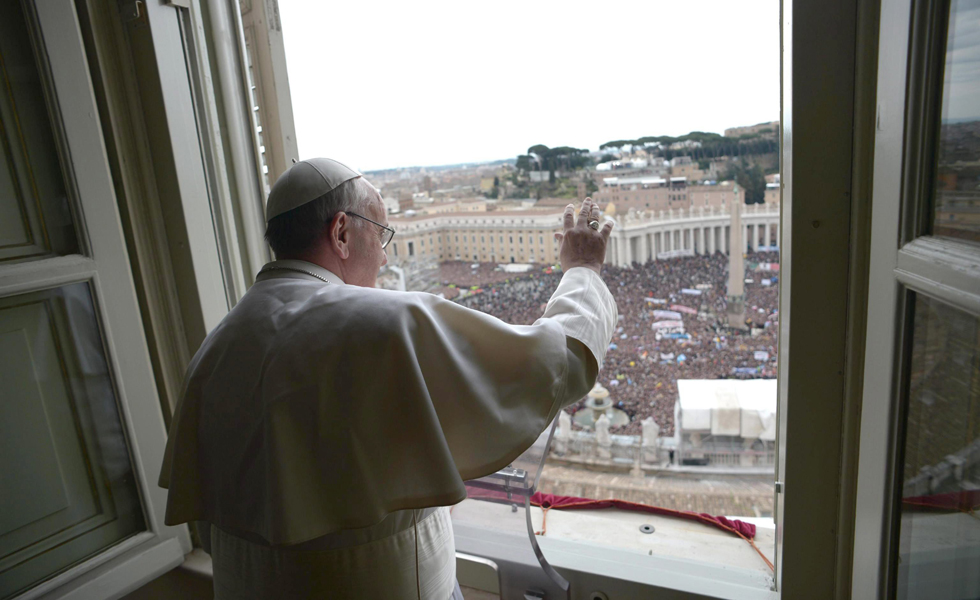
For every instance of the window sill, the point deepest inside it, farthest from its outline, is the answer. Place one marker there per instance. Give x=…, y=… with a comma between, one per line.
x=591, y=561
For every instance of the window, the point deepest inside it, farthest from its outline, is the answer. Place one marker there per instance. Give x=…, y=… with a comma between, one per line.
x=922, y=472
x=640, y=360
x=411, y=248
x=80, y=415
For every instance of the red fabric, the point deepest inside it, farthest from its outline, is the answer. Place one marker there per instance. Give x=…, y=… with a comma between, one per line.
x=966, y=501
x=552, y=501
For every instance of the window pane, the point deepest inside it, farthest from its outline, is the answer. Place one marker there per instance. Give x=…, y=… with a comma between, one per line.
x=35, y=220
x=957, y=205
x=68, y=487
x=939, y=554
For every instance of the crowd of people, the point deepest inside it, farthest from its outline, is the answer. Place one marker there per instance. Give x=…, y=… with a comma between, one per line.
x=673, y=324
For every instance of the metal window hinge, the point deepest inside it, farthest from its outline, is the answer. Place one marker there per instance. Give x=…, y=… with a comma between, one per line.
x=179, y=3
x=779, y=487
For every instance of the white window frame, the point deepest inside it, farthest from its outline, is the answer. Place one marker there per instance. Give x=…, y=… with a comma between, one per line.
x=905, y=260
x=105, y=266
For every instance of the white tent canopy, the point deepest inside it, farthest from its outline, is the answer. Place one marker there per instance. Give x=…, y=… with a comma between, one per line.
x=744, y=408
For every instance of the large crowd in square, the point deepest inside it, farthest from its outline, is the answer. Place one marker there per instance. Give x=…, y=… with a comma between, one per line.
x=643, y=364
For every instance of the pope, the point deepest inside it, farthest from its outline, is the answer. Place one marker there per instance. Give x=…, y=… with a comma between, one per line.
x=326, y=426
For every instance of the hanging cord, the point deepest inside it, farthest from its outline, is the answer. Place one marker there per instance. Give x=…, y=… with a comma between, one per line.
x=544, y=521
x=418, y=579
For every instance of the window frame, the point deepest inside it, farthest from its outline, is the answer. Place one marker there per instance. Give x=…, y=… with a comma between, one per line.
x=905, y=260
x=103, y=263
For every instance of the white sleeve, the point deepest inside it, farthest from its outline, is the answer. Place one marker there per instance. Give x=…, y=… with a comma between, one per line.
x=496, y=386
x=585, y=309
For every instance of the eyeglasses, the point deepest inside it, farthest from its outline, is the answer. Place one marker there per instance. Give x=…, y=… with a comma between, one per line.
x=386, y=232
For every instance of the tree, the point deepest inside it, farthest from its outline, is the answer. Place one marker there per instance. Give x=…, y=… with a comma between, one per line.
x=751, y=179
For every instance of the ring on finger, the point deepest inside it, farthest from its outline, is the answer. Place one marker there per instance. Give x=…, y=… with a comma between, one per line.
x=594, y=224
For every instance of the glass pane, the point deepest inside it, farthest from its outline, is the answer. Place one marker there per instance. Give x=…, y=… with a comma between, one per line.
x=939, y=554
x=35, y=220
x=69, y=489
x=957, y=206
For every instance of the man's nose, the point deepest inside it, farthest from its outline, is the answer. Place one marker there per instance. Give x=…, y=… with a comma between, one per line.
x=385, y=252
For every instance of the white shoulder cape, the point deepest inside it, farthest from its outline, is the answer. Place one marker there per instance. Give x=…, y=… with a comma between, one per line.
x=316, y=407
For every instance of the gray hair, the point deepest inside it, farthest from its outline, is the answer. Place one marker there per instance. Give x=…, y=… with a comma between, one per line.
x=296, y=231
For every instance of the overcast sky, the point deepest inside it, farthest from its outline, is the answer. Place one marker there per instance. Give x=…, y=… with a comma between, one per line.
x=395, y=84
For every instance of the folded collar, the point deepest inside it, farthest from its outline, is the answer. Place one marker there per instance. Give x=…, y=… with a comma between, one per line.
x=297, y=269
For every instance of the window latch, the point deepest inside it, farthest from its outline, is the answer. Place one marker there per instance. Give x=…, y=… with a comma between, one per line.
x=779, y=487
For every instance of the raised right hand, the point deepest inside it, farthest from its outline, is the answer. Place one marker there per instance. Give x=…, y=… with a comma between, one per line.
x=579, y=244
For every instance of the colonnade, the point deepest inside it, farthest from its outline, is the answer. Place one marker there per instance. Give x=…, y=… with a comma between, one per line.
x=645, y=236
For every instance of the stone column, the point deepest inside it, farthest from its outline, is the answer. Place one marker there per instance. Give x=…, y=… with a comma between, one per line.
x=651, y=432
x=699, y=240
x=644, y=248
x=768, y=235
x=564, y=433
x=602, y=438
x=628, y=253
x=745, y=238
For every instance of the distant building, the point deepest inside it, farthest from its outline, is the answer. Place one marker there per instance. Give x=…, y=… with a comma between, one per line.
x=773, y=193
x=501, y=236
x=771, y=128
x=683, y=166
x=643, y=193
x=720, y=194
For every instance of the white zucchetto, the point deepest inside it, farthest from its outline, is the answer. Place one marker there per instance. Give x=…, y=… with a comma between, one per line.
x=306, y=181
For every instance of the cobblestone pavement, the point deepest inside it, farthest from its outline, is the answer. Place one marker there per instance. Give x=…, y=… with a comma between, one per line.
x=743, y=496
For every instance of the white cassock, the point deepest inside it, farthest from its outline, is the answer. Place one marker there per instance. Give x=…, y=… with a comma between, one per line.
x=323, y=424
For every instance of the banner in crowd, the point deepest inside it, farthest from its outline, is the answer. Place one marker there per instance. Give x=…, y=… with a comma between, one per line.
x=766, y=282
x=767, y=266
x=667, y=314
x=668, y=326
x=747, y=370
x=691, y=292
x=703, y=286
x=656, y=300
x=671, y=336
x=761, y=355
x=683, y=309
x=675, y=253
x=767, y=249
